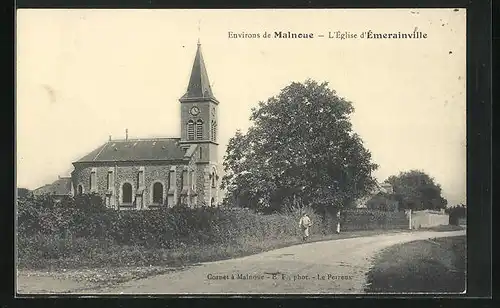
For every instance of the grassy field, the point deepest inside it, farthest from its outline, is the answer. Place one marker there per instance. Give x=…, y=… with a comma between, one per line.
x=436, y=265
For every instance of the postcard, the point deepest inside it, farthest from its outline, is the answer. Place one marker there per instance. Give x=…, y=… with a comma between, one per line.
x=241, y=152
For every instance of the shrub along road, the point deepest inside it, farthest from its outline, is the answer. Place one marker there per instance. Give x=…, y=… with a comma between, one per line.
x=338, y=266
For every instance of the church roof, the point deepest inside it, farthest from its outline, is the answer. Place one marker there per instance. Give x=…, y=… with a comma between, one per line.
x=60, y=187
x=199, y=84
x=150, y=149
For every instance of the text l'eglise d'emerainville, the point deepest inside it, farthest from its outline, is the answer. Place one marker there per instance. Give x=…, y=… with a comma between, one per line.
x=339, y=35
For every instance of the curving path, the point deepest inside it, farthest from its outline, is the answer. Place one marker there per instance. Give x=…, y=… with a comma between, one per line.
x=337, y=266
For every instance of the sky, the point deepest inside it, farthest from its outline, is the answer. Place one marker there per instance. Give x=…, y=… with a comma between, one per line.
x=83, y=75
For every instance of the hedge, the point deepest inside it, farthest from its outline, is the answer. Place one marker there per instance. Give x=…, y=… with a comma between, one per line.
x=82, y=231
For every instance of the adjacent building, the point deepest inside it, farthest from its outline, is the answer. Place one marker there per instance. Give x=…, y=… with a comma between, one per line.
x=59, y=189
x=380, y=198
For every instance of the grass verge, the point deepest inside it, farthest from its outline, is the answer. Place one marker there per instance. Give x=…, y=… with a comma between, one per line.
x=436, y=266
x=137, y=262
x=86, y=253
x=443, y=228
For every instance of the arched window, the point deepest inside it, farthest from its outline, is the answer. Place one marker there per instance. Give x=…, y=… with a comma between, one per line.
x=157, y=193
x=199, y=129
x=80, y=189
x=190, y=130
x=93, y=182
x=212, y=202
x=127, y=193
x=213, y=179
x=109, y=182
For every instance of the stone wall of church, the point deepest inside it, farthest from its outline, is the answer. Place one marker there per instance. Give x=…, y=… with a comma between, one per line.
x=159, y=174
x=125, y=174
x=152, y=173
x=202, y=181
x=198, y=193
x=81, y=177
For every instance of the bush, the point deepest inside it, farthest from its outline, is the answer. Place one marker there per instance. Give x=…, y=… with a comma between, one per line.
x=78, y=231
x=167, y=227
x=457, y=214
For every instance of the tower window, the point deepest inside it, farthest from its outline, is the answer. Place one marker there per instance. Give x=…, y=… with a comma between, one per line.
x=190, y=130
x=201, y=153
x=214, y=131
x=199, y=129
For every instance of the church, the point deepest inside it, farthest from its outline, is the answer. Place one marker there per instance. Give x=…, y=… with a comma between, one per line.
x=160, y=172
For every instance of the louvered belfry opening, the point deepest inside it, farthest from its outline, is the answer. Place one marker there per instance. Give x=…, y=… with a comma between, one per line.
x=199, y=129
x=214, y=131
x=190, y=130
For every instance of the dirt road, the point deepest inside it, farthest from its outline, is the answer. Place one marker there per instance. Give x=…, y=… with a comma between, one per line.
x=337, y=266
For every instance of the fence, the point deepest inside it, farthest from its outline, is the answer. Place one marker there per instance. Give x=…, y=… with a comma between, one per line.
x=427, y=219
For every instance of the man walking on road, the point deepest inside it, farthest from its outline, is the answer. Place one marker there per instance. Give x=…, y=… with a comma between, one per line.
x=305, y=223
x=338, y=222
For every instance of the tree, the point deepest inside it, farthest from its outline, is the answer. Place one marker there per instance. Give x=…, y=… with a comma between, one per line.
x=416, y=190
x=300, y=147
x=23, y=193
x=456, y=213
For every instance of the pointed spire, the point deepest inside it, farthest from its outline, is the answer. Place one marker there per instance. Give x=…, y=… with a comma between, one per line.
x=199, y=84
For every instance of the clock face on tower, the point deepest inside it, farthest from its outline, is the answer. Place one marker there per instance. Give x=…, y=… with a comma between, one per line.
x=194, y=111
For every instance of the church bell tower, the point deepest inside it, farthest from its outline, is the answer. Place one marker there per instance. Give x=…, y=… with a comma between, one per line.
x=199, y=124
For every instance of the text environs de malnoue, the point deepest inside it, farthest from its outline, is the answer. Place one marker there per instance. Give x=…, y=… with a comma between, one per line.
x=275, y=34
